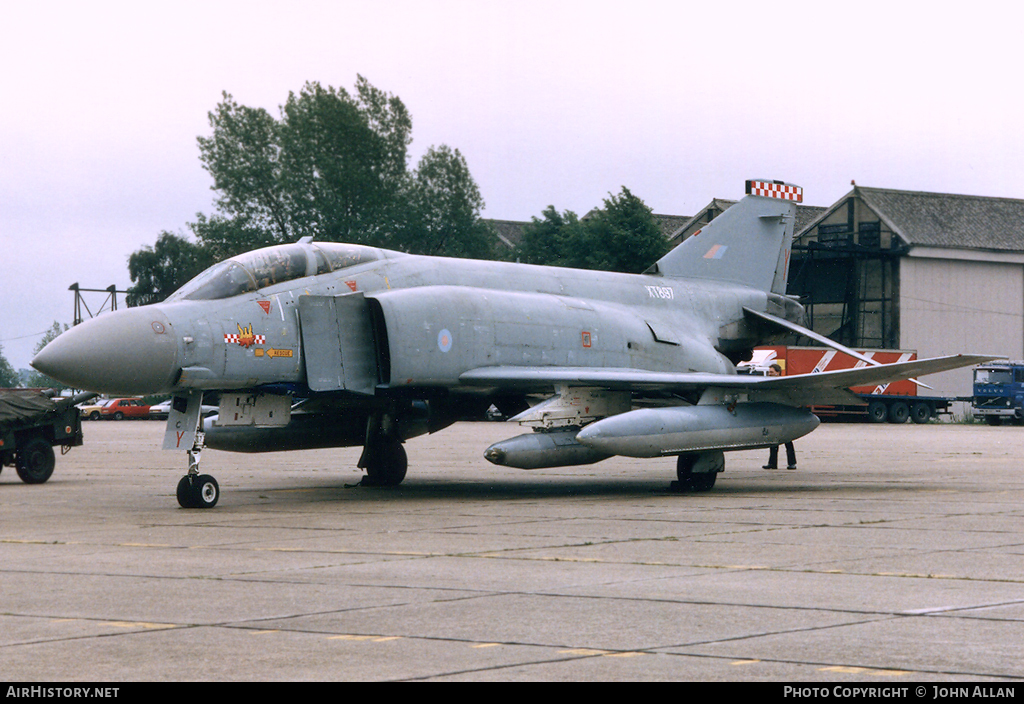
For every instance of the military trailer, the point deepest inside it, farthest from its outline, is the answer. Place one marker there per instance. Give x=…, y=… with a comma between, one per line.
x=31, y=424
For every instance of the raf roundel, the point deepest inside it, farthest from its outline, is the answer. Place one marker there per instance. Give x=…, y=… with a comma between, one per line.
x=444, y=340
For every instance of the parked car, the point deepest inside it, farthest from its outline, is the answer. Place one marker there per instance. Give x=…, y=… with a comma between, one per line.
x=121, y=408
x=91, y=411
x=161, y=410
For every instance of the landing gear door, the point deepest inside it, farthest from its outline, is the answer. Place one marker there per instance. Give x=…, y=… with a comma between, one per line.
x=337, y=339
x=183, y=421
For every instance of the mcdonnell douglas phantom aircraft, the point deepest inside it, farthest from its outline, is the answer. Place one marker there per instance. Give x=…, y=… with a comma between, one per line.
x=317, y=344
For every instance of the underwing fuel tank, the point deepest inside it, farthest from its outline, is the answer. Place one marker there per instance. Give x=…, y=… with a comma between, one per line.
x=653, y=432
x=539, y=450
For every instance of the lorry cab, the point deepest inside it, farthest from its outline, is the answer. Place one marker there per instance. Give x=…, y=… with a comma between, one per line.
x=999, y=392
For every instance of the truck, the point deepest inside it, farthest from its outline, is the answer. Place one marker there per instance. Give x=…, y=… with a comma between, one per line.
x=999, y=392
x=894, y=402
x=31, y=425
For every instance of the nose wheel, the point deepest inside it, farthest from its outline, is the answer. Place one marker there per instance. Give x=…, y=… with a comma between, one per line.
x=197, y=490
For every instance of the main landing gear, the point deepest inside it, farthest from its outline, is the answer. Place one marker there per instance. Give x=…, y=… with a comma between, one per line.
x=383, y=457
x=698, y=471
x=197, y=490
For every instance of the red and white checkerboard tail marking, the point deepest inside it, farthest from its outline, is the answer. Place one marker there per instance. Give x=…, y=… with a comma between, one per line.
x=775, y=189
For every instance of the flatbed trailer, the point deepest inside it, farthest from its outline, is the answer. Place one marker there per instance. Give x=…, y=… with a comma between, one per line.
x=31, y=425
x=891, y=408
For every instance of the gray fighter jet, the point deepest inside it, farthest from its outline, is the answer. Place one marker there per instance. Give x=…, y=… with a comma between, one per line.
x=313, y=345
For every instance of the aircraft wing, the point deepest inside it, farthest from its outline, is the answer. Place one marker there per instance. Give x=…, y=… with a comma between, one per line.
x=803, y=389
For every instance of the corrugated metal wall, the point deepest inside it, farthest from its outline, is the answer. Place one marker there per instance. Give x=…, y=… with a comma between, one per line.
x=950, y=306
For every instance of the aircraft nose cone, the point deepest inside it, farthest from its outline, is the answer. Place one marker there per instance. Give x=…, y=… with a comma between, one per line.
x=130, y=352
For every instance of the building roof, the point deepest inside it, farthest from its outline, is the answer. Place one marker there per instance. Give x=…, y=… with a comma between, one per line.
x=669, y=224
x=943, y=219
x=805, y=215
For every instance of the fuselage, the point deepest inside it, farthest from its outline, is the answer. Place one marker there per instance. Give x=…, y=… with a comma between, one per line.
x=235, y=328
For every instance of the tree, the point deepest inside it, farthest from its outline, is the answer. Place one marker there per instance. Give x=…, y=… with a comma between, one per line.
x=221, y=237
x=555, y=240
x=334, y=166
x=344, y=162
x=445, y=208
x=8, y=377
x=622, y=236
x=243, y=156
x=161, y=270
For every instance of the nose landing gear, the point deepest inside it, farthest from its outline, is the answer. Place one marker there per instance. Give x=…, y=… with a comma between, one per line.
x=197, y=490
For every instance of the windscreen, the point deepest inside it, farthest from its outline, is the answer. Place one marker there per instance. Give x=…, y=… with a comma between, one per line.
x=273, y=265
x=992, y=376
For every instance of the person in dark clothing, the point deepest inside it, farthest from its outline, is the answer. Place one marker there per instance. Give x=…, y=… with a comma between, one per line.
x=773, y=452
x=773, y=457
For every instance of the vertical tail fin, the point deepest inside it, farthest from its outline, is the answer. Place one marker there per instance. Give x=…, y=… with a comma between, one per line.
x=748, y=244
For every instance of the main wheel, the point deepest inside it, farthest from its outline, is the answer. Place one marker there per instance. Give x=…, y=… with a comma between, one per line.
x=35, y=461
x=684, y=470
x=703, y=481
x=387, y=465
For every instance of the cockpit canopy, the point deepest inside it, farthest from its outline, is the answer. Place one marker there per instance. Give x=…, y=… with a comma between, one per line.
x=272, y=265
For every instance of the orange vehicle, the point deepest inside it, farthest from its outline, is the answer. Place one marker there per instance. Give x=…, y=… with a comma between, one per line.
x=896, y=402
x=121, y=408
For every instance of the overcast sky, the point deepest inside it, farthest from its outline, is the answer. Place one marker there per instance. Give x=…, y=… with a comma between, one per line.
x=552, y=103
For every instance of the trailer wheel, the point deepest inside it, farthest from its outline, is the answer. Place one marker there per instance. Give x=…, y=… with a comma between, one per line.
x=35, y=461
x=920, y=412
x=899, y=412
x=877, y=412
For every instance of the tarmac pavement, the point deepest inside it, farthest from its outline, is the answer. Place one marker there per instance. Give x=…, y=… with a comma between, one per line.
x=893, y=554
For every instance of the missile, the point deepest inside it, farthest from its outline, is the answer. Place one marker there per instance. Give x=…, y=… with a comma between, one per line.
x=539, y=450
x=654, y=432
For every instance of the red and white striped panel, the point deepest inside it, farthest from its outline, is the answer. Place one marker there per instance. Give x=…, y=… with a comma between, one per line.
x=769, y=189
x=233, y=338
